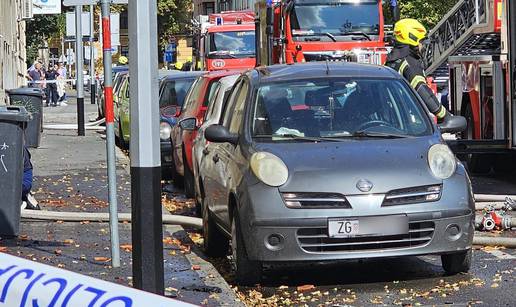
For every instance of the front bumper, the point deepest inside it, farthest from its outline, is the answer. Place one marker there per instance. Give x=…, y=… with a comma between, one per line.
x=440, y=227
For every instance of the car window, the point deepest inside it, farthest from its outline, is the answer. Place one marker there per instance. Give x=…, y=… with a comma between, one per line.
x=195, y=89
x=228, y=108
x=212, y=104
x=174, y=92
x=127, y=89
x=212, y=87
x=238, y=112
x=338, y=107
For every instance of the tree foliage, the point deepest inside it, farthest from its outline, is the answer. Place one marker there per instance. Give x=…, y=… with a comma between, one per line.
x=38, y=30
x=428, y=12
x=173, y=18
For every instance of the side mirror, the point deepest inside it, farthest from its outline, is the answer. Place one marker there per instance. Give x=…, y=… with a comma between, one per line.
x=188, y=124
x=453, y=124
x=220, y=134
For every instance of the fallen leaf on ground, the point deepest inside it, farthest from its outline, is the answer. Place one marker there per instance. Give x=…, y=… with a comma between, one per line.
x=196, y=267
x=58, y=252
x=126, y=247
x=305, y=288
x=3, y=248
x=102, y=259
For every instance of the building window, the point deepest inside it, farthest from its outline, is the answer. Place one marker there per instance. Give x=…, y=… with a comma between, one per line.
x=209, y=8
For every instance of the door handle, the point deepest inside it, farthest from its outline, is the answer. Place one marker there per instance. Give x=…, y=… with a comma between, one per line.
x=216, y=158
x=205, y=151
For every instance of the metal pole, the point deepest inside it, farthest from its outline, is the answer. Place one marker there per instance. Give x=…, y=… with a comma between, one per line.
x=147, y=232
x=110, y=134
x=92, y=58
x=78, y=70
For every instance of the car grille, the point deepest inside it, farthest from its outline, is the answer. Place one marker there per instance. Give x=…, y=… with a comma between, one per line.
x=315, y=200
x=316, y=239
x=413, y=195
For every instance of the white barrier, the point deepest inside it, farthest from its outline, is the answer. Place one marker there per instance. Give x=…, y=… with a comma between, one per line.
x=27, y=283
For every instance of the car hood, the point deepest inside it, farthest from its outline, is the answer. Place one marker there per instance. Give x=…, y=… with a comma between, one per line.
x=338, y=166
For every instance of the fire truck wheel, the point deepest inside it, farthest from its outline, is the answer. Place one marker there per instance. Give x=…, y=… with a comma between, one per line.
x=476, y=163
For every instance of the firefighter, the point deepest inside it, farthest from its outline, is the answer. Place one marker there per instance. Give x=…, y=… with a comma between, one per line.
x=406, y=59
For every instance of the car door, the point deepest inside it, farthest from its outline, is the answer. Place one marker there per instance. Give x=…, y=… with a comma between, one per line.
x=224, y=153
x=214, y=169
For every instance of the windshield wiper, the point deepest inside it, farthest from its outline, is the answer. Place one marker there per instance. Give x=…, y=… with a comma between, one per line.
x=372, y=134
x=298, y=137
x=222, y=53
x=331, y=36
x=355, y=33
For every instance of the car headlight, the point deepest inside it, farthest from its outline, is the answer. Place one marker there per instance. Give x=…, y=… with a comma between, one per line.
x=164, y=131
x=441, y=161
x=269, y=169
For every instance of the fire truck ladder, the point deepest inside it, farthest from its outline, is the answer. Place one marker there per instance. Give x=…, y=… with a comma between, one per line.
x=466, y=30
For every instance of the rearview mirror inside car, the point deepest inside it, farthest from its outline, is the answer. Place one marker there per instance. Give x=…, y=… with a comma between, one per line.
x=220, y=134
x=453, y=124
x=189, y=123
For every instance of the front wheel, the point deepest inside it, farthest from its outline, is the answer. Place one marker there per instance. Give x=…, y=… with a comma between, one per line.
x=457, y=262
x=247, y=272
x=188, y=179
x=215, y=243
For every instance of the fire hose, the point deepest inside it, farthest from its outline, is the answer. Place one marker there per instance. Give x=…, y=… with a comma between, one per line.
x=88, y=126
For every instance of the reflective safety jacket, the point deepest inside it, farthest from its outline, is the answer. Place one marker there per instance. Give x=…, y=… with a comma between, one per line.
x=405, y=60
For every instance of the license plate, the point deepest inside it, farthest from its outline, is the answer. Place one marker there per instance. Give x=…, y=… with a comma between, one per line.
x=343, y=228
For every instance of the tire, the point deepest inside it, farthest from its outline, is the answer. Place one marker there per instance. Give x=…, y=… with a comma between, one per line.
x=188, y=179
x=457, y=262
x=121, y=140
x=247, y=272
x=176, y=178
x=215, y=243
x=476, y=163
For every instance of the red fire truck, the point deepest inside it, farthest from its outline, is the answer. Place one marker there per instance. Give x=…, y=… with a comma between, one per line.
x=292, y=31
x=472, y=52
x=225, y=41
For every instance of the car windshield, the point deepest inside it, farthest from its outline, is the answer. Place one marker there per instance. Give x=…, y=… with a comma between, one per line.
x=235, y=44
x=335, y=21
x=174, y=92
x=338, y=109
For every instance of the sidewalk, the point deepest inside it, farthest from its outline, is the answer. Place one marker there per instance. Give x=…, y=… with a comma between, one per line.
x=70, y=175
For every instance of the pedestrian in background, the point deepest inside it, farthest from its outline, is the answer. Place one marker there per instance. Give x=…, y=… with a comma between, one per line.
x=61, y=84
x=35, y=74
x=52, y=95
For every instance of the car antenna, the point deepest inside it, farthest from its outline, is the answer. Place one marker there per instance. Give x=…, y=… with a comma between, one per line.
x=327, y=67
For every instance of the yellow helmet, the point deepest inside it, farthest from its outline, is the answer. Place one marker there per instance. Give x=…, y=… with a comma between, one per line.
x=122, y=60
x=179, y=65
x=409, y=32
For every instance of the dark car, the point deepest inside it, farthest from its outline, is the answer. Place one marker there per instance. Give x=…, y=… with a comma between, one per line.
x=324, y=162
x=172, y=92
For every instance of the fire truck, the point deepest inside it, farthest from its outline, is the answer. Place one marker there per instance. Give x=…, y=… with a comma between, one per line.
x=290, y=31
x=224, y=41
x=472, y=54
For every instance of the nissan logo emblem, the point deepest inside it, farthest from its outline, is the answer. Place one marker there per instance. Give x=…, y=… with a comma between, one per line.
x=364, y=185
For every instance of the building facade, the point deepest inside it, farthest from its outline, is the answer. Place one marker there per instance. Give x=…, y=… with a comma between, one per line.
x=12, y=46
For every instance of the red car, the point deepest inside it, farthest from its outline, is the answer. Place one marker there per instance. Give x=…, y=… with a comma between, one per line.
x=191, y=118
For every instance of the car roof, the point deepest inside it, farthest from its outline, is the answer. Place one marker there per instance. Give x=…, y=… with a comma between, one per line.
x=217, y=74
x=177, y=74
x=318, y=69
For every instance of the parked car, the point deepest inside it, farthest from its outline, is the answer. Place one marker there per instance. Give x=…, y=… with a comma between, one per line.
x=117, y=72
x=122, y=108
x=172, y=93
x=212, y=116
x=195, y=105
x=316, y=162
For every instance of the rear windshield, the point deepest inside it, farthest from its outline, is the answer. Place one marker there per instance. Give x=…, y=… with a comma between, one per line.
x=342, y=107
x=174, y=92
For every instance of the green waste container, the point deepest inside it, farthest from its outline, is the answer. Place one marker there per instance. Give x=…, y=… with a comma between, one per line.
x=13, y=120
x=32, y=99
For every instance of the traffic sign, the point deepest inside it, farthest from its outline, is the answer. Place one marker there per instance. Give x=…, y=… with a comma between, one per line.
x=79, y=2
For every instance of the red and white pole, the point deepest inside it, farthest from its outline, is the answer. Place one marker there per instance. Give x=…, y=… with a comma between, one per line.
x=110, y=132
